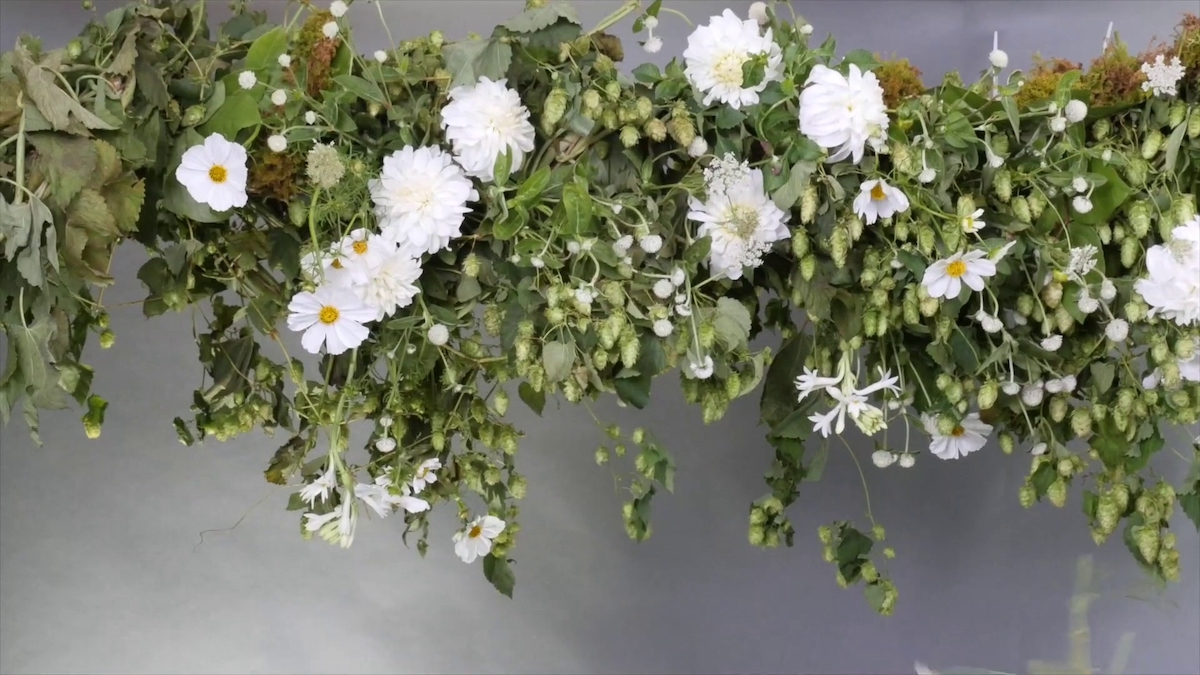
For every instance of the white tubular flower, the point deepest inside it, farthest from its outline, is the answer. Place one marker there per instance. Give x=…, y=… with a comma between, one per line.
x=967, y=436
x=944, y=278
x=476, y=539
x=738, y=215
x=811, y=381
x=215, y=173
x=247, y=79
x=716, y=53
x=1161, y=77
x=320, y=487
x=421, y=199
x=876, y=199
x=329, y=317
x=843, y=112
x=1075, y=111
x=482, y=122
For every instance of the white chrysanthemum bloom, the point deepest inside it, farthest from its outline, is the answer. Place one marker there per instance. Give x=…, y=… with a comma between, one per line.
x=476, y=539
x=320, y=487
x=1117, y=330
x=279, y=97
x=883, y=458
x=1172, y=288
x=1033, y=393
x=277, y=143
x=420, y=198
x=944, y=278
x=330, y=29
x=1075, y=111
x=927, y=175
x=324, y=166
x=972, y=223
x=1108, y=290
x=247, y=79
x=330, y=316
x=699, y=370
x=698, y=147
x=663, y=289
x=284, y=60
x=738, y=215
x=1081, y=204
x=876, y=199
x=653, y=44
x=651, y=243
x=1010, y=388
x=758, y=12
x=998, y=58
x=391, y=281
x=989, y=322
x=310, y=117
x=663, y=328
x=385, y=444
x=843, y=112
x=438, y=335
x=1039, y=449
x=214, y=173
x=716, y=53
x=1058, y=124
x=907, y=460
x=1052, y=343
x=337, y=8
x=967, y=436
x=381, y=56
x=426, y=474
x=1161, y=77
x=482, y=122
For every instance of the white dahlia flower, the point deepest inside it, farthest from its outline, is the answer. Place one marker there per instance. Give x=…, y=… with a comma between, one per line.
x=843, y=112
x=483, y=121
x=421, y=198
x=716, y=53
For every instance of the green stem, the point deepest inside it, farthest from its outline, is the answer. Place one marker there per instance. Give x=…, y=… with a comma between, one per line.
x=628, y=8
x=312, y=220
x=19, y=197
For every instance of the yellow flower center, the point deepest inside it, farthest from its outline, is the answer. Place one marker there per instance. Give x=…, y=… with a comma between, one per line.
x=958, y=431
x=475, y=532
x=956, y=269
x=328, y=315
x=218, y=174
x=877, y=192
x=360, y=247
x=727, y=69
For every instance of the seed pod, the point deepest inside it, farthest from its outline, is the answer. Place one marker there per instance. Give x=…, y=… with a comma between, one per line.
x=1152, y=144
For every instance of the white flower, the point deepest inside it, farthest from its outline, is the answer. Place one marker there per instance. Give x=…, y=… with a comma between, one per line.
x=663, y=288
x=990, y=323
x=883, y=458
x=330, y=316
x=995, y=161
x=1052, y=107
x=337, y=8
x=247, y=79
x=738, y=215
x=876, y=199
x=843, y=112
x=1081, y=204
x=330, y=29
x=327, y=269
x=1117, y=330
x=927, y=175
x=310, y=117
x=806, y=29
x=1108, y=291
x=1083, y=260
x=277, y=143
x=699, y=370
x=1162, y=77
x=379, y=496
x=426, y=474
x=214, y=173
x=337, y=526
x=1052, y=343
x=998, y=58
x=1039, y=449
x=482, y=122
x=663, y=328
x=573, y=247
x=584, y=296
x=1172, y=288
x=1032, y=393
x=811, y=381
x=651, y=243
x=1087, y=304
x=538, y=262
x=968, y=436
x=1079, y=184
x=476, y=539
x=758, y=12
x=1068, y=383
x=438, y=335
x=320, y=487
x=391, y=282
x=678, y=277
x=361, y=251
x=944, y=278
x=1054, y=386
x=972, y=223
x=1075, y=111
x=1058, y=124
x=622, y=245
x=385, y=444
x=1010, y=388
x=650, y=22
x=697, y=147
x=716, y=53
x=907, y=460
x=420, y=199
x=285, y=60
x=381, y=56
x=279, y=96
x=853, y=401
x=1106, y=155
x=684, y=307
x=653, y=44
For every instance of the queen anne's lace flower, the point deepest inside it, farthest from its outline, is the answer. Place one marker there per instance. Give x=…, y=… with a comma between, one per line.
x=716, y=53
x=476, y=539
x=421, y=199
x=325, y=168
x=1161, y=77
x=738, y=215
x=482, y=122
x=843, y=112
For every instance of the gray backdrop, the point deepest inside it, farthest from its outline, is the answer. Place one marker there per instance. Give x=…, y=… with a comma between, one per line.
x=102, y=570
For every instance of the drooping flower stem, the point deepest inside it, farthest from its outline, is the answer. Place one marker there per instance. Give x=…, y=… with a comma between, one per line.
x=628, y=8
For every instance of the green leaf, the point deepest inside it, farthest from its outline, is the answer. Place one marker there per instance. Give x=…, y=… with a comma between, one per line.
x=862, y=58
x=1106, y=199
x=264, y=52
x=1172, y=152
x=786, y=195
x=33, y=354
x=16, y=222
x=497, y=571
x=67, y=162
x=361, y=88
x=531, y=188
x=728, y=118
x=731, y=322
x=56, y=105
x=577, y=205
x=502, y=168
x=239, y=111
x=1014, y=117
x=151, y=85
x=468, y=289
x=647, y=73
x=697, y=251
x=469, y=60
x=634, y=390
x=558, y=358
x=542, y=17
x=779, y=388
x=510, y=226
x=29, y=262
x=287, y=460
x=1102, y=376
x=536, y=400
x=90, y=211
x=1189, y=502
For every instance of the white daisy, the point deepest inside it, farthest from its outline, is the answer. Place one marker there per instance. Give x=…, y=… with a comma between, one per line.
x=476, y=539
x=972, y=223
x=716, y=53
x=738, y=215
x=426, y=474
x=214, y=173
x=843, y=112
x=967, y=436
x=944, y=278
x=876, y=199
x=482, y=122
x=330, y=316
x=391, y=282
x=421, y=198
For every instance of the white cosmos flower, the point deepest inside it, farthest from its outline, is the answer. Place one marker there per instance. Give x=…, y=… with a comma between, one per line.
x=247, y=79
x=391, y=282
x=699, y=370
x=326, y=269
x=944, y=278
x=476, y=539
x=1172, y=287
x=214, y=173
x=843, y=112
x=876, y=199
x=738, y=215
x=972, y=223
x=361, y=251
x=1162, y=77
x=716, y=53
x=968, y=436
x=426, y=474
x=421, y=198
x=482, y=122
x=330, y=316
x=320, y=487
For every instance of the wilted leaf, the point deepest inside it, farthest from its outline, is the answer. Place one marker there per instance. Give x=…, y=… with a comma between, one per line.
x=56, y=105
x=68, y=164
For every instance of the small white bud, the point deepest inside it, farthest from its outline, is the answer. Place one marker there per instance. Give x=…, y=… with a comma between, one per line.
x=385, y=445
x=310, y=117
x=285, y=60
x=698, y=147
x=651, y=243
x=758, y=12
x=1117, y=330
x=330, y=29
x=883, y=458
x=663, y=288
x=277, y=143
x=1075, y=111
x=247, y=79
x=381, y=56
x=907, y=460
x=1052, y=343
x=337, y=8
x=438, y=335
x=999, y=58
x=663, y=328
x=653, y=44
x=1081, y=204
x=279, y=97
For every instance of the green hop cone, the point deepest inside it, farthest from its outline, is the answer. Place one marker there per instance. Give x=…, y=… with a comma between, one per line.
x=988, y=394
x=1081, y=422
x=925, y=239
x=800, y=242
x=107, y=339
x=1147, y=540
x=1002, y=185
x=93, y=419
x=808, y=203
x=1193, y=124
x=1057, y=493
x=554, y=109
x=808, y=267
x=1176, y=113
x=500, y=402
x=839, y=246
x=193, y=115
x=656, y=130
x=1137, y=169
x=1101, y=129
x=629, y=136
x=1007, y=443
x=1152, y=144
x=1036, y=203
